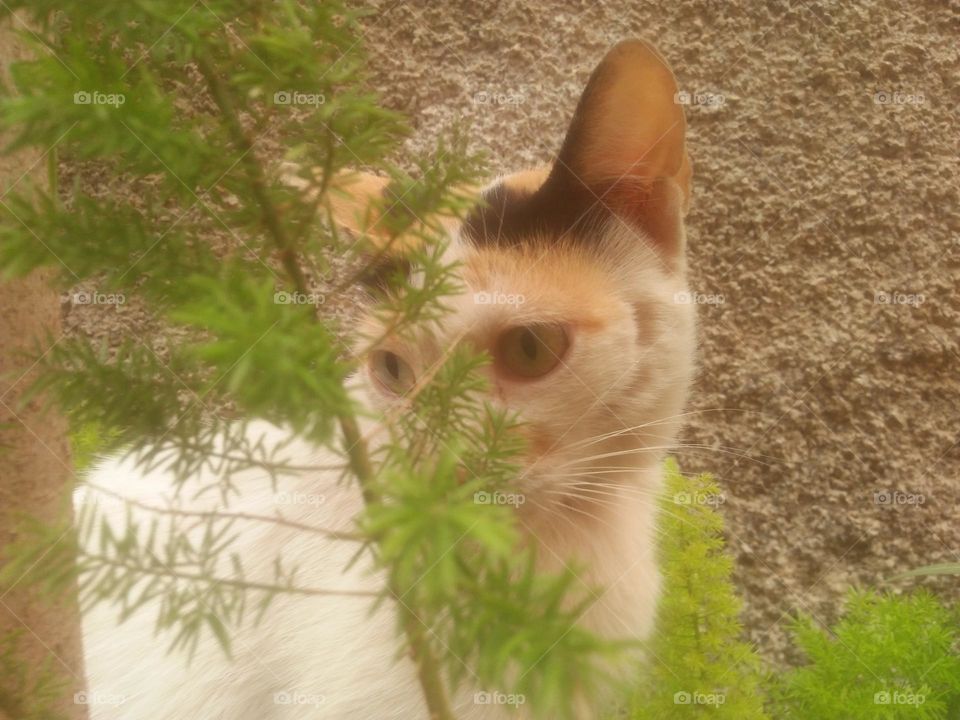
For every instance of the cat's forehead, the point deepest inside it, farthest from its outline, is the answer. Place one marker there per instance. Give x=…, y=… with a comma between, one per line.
x=533, y=282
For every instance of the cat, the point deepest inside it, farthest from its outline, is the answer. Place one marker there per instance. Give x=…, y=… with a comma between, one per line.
x=595, y=353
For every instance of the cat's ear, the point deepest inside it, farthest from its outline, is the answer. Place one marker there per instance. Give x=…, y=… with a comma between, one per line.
x=625, y=146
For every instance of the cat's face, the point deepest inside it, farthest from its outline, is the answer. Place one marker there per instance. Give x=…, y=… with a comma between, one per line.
x=574, y=280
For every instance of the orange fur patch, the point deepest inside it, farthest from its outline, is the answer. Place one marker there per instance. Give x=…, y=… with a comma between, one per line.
x=539, y=442
x=527, y=181
x=358, y=201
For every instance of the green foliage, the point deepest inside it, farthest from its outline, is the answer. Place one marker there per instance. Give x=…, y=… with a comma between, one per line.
x=699, y=667
x=889, y=657
x=87, y=443
x=272, y=353
x=186, y=109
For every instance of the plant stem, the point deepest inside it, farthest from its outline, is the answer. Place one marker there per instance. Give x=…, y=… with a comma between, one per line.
x=167, y=572
x=271, y=218
x=220, y=515
x=428, y=670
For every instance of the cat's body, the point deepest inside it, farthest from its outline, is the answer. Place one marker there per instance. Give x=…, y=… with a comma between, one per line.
x=309, y=657
x=315, y=657
x=595, y=249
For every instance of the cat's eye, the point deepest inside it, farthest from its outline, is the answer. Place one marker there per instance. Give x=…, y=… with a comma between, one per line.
x=392, y=371
x=531, y=351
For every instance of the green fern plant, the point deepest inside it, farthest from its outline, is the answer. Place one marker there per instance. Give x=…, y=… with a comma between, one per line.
x=889, y=657
x=698, y=665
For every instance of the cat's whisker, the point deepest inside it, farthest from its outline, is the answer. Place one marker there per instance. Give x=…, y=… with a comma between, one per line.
x=602, y=502
x=595, y=480
x=609, y=500
x=586, y=442
x=655, y=448
x=594, y=439
x=560, y=509
x=619, y=469
x=583, y=512
x=732, y=449
x=557, y=511
x=613, y=453
x=616, y=490
x=619, y=491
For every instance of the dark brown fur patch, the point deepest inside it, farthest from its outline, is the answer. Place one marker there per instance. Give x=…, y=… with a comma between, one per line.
x=561, y=209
